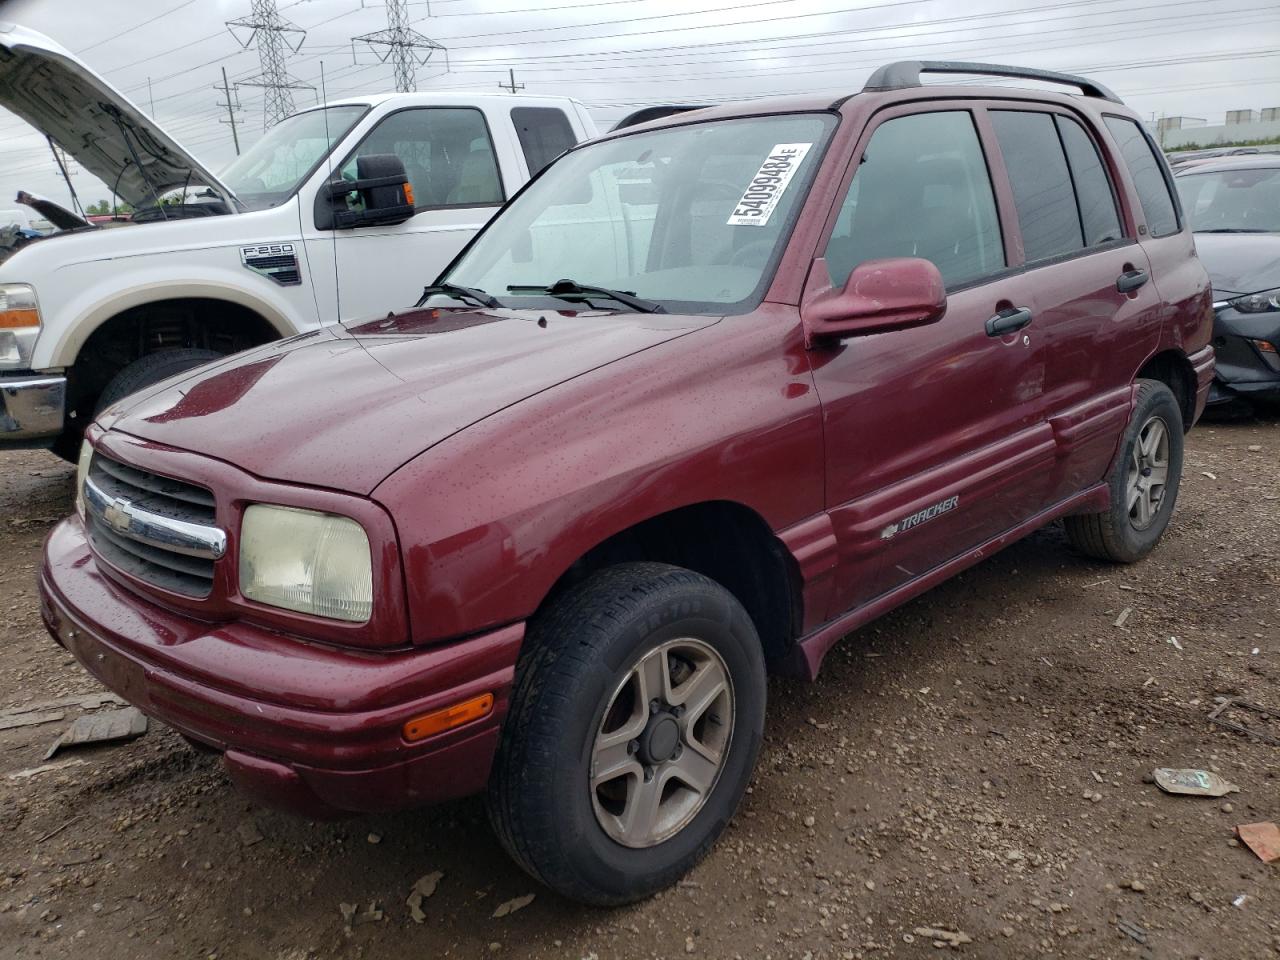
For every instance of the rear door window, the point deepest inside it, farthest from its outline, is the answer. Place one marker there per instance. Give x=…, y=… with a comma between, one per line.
x=447, y=154
x=1041, y=181
x=544, y=133
x=1158, y=207
x=921, y=190
x=1099, y=218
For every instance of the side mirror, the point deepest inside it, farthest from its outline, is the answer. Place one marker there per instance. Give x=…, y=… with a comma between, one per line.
x=385, y=195
x=879, y=296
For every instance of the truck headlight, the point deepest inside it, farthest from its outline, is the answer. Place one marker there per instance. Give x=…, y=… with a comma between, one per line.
x=304, y=560
x=82, y=471
x=19, y=324
x=1263, y=302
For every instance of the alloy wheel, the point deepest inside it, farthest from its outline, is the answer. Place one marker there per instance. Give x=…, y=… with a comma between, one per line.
x=662, y=743
x=1148, y=473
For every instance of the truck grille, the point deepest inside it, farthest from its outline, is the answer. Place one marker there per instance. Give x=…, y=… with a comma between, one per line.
x=157, y=529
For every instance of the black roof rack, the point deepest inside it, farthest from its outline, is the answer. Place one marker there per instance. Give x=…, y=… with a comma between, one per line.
x=906, y=73
x=657, y=112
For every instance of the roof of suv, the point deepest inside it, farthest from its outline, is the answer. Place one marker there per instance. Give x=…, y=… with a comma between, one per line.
x=903, y=78
x=1247, y=161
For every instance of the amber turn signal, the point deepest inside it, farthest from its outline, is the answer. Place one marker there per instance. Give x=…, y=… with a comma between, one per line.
x=438, y=721
x=408, y=192
x=13, y=319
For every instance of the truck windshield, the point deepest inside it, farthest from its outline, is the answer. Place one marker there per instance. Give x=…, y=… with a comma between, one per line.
x=1232, y=201
x=688, y=217
x=270, y=171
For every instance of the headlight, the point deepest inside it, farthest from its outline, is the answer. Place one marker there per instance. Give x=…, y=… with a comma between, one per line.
x=303, y=560
x=1262, y=302
x=19, y=324
x=82, y=471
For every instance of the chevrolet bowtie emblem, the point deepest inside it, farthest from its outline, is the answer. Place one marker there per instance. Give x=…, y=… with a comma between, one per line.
x=115, y=517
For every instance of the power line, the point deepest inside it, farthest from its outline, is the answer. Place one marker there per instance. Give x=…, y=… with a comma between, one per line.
x=271, y=33
x=404, y=46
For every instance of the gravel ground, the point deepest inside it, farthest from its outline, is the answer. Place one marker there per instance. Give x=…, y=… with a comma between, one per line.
x=977, y=761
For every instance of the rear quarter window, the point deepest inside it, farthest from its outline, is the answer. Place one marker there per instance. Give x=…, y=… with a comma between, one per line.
x=1147, y=171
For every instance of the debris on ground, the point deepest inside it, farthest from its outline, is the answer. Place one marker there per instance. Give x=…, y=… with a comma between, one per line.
x=1124, y=615
x=30, y=719
x=249, y=833
x=511, y=906
x=1238, y=703
x=425, y=887
x=126, y=724
x=374, y=838
x=45, y=768
x=1262, y=838
x=1193, y=783
x=1132, y=930
x=1239, y=901
x=1173, y=642
x=352, y=918
x=943, y=938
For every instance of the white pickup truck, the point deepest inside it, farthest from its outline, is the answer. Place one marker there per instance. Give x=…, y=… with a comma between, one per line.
x=271, y=247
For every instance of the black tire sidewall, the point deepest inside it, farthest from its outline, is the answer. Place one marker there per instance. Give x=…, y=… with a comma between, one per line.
x=150, y=370
x=1154, y=398
x=614, y=872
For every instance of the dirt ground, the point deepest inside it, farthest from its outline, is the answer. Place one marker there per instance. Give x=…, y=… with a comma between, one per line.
x=978, y=760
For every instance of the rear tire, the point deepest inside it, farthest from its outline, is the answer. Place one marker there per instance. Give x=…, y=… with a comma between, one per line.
x=149, y=370
x=1143, y=482
x=588, y=791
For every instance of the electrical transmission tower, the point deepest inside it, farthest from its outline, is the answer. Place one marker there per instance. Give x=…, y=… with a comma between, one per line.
x=404, y=46
x=274, y=36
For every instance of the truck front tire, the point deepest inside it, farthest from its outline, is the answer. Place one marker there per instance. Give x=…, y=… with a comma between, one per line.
x=150, y=369
x=635, y=721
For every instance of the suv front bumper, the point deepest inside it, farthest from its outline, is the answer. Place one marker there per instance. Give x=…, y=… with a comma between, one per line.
x=32, y=409
x=301, y=726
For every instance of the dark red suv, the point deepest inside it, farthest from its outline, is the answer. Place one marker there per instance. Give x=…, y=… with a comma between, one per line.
x=707, y=395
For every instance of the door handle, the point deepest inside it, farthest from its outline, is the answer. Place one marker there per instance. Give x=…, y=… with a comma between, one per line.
x=1008, y=320
x=1131, y=280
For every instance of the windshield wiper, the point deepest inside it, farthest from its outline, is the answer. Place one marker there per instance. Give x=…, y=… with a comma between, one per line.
x=474, y=294
x=572, y=290
x=1235, y=230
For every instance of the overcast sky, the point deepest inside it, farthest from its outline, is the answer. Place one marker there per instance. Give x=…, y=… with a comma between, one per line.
x=1196, y=58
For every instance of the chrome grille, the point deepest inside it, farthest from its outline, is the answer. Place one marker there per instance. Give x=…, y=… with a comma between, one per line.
x=153, y=527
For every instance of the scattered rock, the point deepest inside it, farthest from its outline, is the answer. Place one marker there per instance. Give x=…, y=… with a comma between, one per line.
x=249, y=833
x=425, y=887
x=951, y=938
x=511, y=906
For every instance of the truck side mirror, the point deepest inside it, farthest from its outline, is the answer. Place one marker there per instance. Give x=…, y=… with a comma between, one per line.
x=879, y=296
x=384, y=192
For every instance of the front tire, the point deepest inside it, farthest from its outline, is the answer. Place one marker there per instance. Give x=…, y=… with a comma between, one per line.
x=1143, y=482
x=149, y=370
x=635, y=721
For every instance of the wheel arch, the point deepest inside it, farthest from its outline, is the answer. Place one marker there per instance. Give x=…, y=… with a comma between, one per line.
x=1172, y=368
x=115, y=332
x=135, y=298
x=724, y=540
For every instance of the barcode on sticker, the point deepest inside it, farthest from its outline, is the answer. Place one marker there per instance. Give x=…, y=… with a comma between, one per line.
x=768, y=185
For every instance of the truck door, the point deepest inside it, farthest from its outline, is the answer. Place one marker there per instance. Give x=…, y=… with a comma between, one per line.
x=458, y=180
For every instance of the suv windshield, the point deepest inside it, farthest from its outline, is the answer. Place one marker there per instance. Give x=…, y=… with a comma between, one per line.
x=269, y=172
x=1232, y=201
x=648, y=213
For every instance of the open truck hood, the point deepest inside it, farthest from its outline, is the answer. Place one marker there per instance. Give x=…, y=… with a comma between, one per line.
x=45, y=85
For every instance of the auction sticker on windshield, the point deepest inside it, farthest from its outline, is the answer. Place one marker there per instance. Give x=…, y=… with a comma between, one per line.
x=768, y=185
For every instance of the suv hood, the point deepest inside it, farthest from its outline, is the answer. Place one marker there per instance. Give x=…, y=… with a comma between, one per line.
x=1240, y=263
x=44, y=84
x=345, y=406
